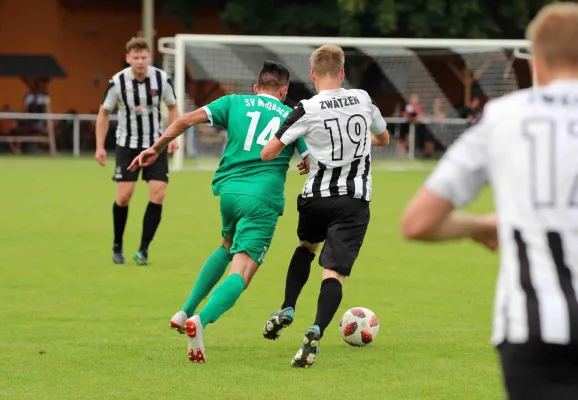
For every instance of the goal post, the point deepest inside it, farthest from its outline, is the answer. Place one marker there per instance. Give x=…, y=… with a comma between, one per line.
x=442, y=72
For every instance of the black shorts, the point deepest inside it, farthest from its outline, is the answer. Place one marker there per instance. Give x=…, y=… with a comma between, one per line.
x=539, y=371
x=159, y=171
x=339, y=221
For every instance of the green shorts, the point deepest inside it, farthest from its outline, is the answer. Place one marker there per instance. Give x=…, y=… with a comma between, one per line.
x=250, y=223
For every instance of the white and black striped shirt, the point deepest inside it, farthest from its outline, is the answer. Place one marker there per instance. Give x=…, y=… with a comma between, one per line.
x=526, y=145
x=337, y=127
x=139, y=106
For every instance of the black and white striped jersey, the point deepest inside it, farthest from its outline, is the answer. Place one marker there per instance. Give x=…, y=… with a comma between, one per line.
x=337, y=127
x=526, y=145
x=139, y=106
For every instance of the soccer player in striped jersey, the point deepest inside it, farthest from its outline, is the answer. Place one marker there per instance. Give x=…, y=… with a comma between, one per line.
x=339, y=127
x=138, y=92
x=525, y=146
x=251, y=195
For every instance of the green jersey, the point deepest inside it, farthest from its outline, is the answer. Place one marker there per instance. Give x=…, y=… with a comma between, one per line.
x=251, y=120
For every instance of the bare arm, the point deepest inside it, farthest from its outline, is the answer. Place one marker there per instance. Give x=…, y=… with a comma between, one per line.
x=180, y=125
x=102, y=127
x=380, y=140
x=456, y=181
x=293, y=127
x=272, y=149
x=430, y=217
x=173, y=113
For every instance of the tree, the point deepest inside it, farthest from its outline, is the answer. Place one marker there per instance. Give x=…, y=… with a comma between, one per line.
x=297, y=17
x=378, y=18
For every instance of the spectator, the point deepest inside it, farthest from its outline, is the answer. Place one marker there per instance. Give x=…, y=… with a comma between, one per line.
x=412, y=113
x=424, y=140
x=37, y=101
x=473, y=112
x=439, y=114
x=437, y=127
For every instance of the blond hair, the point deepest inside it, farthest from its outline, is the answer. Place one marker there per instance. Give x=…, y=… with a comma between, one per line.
x=138, y=44
x=554, y=35
x=328, y=60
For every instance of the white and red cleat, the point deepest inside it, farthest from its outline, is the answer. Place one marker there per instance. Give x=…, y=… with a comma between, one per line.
x=178, y=322
x=194, y=330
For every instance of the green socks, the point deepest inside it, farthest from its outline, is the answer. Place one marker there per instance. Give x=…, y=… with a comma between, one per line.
x=212, y=271
x=223, y=298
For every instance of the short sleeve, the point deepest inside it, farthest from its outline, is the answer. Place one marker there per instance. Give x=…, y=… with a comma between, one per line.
x=464, y=169
x=302, y=147
x=110, y=98
x=218, y=111
x=378, y=124
x=169, y=95
x=295, y=126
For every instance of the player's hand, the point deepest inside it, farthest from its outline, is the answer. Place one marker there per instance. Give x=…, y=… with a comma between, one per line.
x=304, y=165
x=487, y=232
x=100, y=156
x=144, y=159
x=173, y=146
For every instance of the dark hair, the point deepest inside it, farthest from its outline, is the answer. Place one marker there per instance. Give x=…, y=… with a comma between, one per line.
x=273, y=75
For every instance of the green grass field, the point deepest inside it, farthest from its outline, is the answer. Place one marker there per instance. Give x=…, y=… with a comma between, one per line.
x=73, y=325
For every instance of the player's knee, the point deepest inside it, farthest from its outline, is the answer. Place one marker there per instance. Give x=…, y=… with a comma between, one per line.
x=329, y=273
x=227, y=243
x=157, y=198
x=245, y=266
x=157, y=194
x=123, y=196
x=123, y=201
x=312, y=247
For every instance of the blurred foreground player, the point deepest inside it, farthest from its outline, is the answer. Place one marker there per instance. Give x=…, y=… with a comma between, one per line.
x=339, y=127
x=251, y=195
x=525, y=146
x=138, y=91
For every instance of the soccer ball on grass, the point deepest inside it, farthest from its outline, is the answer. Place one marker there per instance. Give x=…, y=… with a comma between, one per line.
x=358, y=326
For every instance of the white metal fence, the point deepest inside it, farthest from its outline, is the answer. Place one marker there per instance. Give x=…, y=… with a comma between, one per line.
x=57, y=119
x=69, y=129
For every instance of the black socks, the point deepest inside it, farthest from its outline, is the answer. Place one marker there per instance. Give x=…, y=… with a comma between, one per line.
x=150, y=223
x=297, y=275
x=329, y=299
x=119, y=216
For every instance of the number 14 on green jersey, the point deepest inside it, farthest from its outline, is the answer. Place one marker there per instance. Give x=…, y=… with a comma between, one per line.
x=265, y=135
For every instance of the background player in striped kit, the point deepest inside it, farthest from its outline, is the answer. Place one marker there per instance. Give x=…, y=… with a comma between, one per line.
x=525, y=145
x=138, y=91
x=339, y=127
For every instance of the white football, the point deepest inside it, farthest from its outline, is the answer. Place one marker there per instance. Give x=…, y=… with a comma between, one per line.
x=358, y=326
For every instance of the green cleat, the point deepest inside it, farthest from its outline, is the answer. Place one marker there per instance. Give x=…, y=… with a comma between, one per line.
x=141, y=257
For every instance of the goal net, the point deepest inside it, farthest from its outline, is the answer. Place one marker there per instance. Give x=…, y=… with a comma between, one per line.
x=442, y=77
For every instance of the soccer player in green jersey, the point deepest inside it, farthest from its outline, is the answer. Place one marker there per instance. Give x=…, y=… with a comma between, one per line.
x=251, y=195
